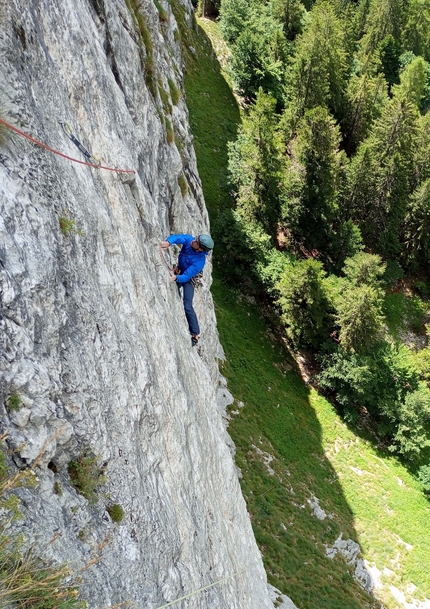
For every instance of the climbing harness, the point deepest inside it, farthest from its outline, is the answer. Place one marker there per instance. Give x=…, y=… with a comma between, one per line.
x=196, y=281
x=68, y=131
x=224, y=579
x=57, y=152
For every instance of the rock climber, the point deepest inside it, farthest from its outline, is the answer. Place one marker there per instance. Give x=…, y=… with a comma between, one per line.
x=191, y=261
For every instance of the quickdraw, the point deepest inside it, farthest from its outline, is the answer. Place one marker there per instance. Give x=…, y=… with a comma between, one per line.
x=61, y=154
x=68, y=131
x=197, y=281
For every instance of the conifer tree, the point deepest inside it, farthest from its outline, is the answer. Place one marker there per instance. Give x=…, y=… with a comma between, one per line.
x=360, y=18
x=316, y=151
x=405, y=60
x=421, y=160
x=413, y=82
x=389, y=51
x=411, y=419
x=246, y=64
x=416, y=33
x=259, y=54
x=290, y=13
x=359, y=316
x=416, y=249
x=367, y=95
x=303, y=302
x=358, y=303
x=234, y=16
x=346, y=241
x=319, y=72
x=255, y=163
x=364, y=269
x=379, y=175
x=384, y=17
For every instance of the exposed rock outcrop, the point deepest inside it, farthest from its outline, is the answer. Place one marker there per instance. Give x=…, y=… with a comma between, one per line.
x=93, y=337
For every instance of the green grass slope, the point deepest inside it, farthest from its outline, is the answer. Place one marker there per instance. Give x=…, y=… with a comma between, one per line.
x=294, y=451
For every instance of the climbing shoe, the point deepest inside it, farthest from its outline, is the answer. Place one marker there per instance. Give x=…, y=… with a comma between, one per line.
x=194, y=340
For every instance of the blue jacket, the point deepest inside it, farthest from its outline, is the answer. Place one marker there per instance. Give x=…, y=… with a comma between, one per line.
x=190, y=262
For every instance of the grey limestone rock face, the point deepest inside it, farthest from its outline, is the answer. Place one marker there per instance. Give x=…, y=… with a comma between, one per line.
x=280, y=600
x=93, y=337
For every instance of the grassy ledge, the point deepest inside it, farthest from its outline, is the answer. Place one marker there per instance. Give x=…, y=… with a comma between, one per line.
x=27, y=581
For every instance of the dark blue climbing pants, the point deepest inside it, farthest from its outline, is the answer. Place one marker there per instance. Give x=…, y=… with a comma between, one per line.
x=188, y=294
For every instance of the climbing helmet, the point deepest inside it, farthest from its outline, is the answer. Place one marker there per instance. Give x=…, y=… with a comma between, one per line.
x=206, y=242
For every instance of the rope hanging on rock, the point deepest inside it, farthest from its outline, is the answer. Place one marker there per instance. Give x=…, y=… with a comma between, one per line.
x=220, y=581
x=165, y=261
x=57, y=152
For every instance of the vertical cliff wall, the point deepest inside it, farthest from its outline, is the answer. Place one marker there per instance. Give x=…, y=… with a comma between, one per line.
x=93, y=338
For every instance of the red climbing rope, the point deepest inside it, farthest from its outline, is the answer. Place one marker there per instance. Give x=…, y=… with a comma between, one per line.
x=32, y=139
x=165, y=261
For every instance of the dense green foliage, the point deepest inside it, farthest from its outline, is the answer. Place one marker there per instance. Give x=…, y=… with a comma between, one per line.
x=303, y=301
x=331, y=159
x=331, y=180
x=116, y=512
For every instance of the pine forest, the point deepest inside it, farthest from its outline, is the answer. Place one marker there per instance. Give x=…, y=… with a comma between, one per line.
x=330, y=177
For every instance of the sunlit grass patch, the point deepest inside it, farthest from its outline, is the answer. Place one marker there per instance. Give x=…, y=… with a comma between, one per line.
x=277, y=419
x=389, y=508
